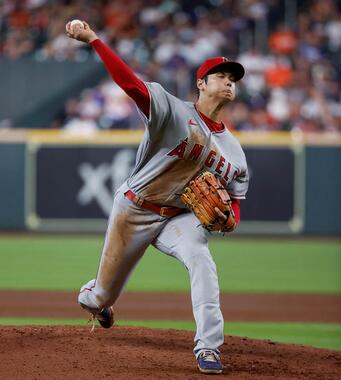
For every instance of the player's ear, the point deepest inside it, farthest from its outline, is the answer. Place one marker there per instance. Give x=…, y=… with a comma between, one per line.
x=200, y=84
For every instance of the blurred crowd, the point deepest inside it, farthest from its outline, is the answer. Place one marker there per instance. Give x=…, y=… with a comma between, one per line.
x=290, y=49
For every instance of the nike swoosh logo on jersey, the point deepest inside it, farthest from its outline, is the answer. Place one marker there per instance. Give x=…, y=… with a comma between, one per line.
x=192, y=122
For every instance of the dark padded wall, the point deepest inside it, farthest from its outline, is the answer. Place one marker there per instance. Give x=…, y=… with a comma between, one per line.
x=12, y=186
x=323, y=190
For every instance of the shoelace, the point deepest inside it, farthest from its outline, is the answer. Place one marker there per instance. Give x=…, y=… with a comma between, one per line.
x=92, y=320
x=210, y=356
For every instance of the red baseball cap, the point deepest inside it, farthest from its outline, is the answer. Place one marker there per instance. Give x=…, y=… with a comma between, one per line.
x=234, y=67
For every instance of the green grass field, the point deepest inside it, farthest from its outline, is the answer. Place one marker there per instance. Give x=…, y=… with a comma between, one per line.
x=244, y=265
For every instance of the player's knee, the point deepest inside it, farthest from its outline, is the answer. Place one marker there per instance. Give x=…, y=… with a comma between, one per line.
x=201, y=260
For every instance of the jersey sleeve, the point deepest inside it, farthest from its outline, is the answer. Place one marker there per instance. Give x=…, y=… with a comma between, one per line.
x=160, y=109
x=238, y=187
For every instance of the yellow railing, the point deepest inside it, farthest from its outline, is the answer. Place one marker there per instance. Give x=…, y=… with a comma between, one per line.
x=127, y=137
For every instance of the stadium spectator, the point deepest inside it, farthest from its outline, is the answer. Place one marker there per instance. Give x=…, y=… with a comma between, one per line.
x=292, y=63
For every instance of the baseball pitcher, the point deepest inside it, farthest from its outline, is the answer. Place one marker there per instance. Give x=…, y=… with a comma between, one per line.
x=190, y=171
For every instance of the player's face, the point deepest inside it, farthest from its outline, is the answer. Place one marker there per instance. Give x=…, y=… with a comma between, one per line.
x=221, y=85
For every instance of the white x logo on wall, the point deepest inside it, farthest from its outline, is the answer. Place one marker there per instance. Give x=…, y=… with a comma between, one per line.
x=95, y=179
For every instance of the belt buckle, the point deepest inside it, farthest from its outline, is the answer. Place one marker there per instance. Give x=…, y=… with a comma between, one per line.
x=163, y=211
x=138, y=200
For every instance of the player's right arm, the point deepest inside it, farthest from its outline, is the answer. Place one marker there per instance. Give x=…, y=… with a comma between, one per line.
x=119, y=71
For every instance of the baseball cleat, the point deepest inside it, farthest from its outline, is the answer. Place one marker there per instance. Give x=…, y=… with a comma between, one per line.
x=105, y=317
x=87, y=301
x=209, y=362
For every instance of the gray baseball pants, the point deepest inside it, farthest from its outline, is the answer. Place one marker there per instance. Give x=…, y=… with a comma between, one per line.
x=130, y=231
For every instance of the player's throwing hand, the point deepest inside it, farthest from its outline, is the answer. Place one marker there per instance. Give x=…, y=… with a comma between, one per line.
x=77, y=32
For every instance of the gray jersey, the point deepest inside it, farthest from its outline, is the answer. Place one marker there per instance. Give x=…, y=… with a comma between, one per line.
x=176, y=146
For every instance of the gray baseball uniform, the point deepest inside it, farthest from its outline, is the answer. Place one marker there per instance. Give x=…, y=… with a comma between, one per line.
x=177, y=145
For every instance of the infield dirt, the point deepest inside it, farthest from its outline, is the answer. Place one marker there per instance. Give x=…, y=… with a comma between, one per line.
x=72, y=352
x=61, y=352
x=319, y=308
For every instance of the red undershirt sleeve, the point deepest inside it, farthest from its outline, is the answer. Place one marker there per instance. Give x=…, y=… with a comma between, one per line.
x=236, y=208
x=122, y=74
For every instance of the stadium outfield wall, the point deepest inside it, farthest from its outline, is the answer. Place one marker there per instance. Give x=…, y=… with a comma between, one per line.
x=53, y=180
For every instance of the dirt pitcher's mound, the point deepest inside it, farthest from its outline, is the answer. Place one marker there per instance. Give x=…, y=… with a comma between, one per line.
x=140, y=353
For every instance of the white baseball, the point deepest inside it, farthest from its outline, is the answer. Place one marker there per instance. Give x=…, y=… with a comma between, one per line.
x=78, y=23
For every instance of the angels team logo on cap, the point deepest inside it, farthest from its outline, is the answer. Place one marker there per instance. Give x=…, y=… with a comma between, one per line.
x=226, y=65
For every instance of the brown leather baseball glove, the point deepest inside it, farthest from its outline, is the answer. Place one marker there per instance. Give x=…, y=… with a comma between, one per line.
x=208, y=199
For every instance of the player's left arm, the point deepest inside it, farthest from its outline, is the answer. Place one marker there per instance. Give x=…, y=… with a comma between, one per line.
x=235, y=204
x=237, y=190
